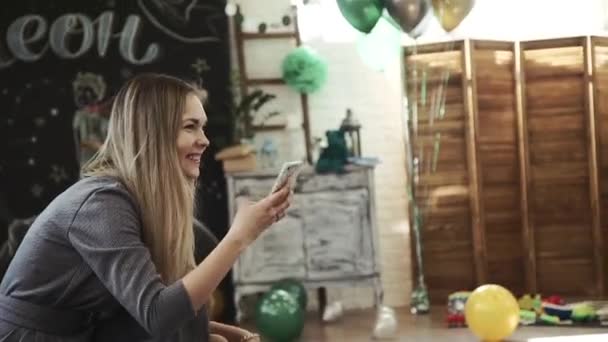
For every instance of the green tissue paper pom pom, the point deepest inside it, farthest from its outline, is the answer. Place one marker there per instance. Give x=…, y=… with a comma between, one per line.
x=304, y=70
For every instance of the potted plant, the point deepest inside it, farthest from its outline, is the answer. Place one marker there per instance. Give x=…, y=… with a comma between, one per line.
x=247, y=110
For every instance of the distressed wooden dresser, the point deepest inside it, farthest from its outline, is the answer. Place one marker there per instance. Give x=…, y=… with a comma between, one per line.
x=328, y=237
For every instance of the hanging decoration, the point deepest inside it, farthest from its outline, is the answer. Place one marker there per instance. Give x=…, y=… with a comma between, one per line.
x=231, y=9
x=304, y=70
x=255, y=25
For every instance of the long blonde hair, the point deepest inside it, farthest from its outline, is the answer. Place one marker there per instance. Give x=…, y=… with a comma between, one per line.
x=141, y=151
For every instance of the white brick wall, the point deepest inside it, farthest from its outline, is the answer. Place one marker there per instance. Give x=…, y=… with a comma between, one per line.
x=375, y=99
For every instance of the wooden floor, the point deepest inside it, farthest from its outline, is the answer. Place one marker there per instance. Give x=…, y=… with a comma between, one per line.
x=356, y=326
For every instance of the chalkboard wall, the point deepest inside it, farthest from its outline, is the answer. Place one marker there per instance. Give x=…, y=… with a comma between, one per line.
x=57, y=56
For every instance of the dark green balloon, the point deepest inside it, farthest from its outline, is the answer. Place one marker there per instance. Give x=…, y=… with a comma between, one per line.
x=361, y=14
x=279, y=317
x=295, y=288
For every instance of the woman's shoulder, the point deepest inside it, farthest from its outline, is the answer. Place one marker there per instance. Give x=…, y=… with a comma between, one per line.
x=97, y=183
x=77, y=195
x=88, y=186
x=101, y=196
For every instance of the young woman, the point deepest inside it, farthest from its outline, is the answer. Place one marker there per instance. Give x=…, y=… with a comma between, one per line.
x=111, y=258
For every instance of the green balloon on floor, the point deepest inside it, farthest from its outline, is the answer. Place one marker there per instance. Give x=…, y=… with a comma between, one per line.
x=295, y=288
x=279, y=317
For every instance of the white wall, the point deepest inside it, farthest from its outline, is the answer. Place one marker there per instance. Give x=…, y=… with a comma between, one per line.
x=376, y=101
x=375, y=97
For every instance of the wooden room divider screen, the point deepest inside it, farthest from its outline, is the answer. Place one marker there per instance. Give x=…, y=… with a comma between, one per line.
x=510, y=156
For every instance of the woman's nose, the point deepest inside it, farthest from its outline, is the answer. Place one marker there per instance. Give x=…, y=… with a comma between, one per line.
x=202, y=139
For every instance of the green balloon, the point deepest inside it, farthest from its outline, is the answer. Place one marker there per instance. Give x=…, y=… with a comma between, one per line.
x=361, y=14
x=294, y=288
x=279, y=317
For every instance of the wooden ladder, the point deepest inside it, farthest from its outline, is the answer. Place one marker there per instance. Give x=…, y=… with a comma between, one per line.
x=245, y=82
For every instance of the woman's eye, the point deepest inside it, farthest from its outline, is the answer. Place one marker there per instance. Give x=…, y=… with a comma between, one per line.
x=191, y=126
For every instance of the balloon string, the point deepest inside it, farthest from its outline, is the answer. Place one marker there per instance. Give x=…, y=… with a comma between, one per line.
x=415, y=162
x=435, y=110
x=417, y=227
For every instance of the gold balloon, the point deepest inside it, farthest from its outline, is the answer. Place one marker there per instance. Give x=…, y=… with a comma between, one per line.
x=451, y=13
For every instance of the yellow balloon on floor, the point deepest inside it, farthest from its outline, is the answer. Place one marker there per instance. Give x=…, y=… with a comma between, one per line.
x=491, y=312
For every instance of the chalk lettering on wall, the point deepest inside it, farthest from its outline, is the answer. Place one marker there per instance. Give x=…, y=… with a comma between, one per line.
x=26, y=31
x=104, y=33
x=18, y=39
x=128, y=39
x=64, y=28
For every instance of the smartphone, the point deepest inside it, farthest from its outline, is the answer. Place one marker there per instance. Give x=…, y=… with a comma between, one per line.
x=289, y=173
